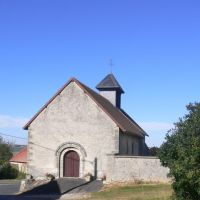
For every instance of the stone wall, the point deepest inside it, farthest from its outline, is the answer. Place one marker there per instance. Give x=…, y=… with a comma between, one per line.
x=135, y=168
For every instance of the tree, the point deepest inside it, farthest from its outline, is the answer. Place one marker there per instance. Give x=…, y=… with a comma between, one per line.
x=6, y=170
x=153, y=151
x=181, y=153
x=5, y=151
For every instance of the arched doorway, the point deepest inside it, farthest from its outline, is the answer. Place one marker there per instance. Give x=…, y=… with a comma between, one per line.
x=71, y=164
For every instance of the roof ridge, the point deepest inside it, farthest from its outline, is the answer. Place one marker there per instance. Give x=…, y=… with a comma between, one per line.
x=113, y=79
x=49, y=101
x=113, y=112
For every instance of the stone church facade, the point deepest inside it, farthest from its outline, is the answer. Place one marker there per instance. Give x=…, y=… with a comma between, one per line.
x=76, y=131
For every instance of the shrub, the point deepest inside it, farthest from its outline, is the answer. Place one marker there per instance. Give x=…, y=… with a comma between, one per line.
x=50, y=176
x=5, y=151
x=8, y=172
x=21, y=175
x=181, y=153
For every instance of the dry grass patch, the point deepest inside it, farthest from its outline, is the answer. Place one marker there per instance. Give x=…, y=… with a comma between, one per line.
x=134, y=192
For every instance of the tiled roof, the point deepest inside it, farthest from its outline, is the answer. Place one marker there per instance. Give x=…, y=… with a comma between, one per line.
x=123, y=121
x=20, y=157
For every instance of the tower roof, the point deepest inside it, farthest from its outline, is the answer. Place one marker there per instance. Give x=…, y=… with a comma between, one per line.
x=109, y=82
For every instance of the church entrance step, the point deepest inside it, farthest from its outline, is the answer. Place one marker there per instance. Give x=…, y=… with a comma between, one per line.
x=93, y=186
x=68, y=184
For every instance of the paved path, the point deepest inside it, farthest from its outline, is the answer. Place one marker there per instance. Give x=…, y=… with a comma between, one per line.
x=90, y=187
x=9, y=187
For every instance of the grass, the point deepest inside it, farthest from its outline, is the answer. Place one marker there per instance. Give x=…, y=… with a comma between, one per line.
x=134, y=192
x=21, y=176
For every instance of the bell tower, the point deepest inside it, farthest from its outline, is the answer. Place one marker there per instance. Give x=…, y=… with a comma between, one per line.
x=111, y=90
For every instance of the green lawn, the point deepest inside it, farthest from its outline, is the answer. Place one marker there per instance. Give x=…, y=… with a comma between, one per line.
x=134, y=192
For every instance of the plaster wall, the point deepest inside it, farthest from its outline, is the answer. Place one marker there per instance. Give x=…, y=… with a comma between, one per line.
x=110, y=95
x=72, y=117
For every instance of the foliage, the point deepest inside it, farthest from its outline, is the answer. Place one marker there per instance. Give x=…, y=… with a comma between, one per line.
x=6, y=170
x=9, y=172
x=50, y=176
x=21, y=175
x=181, y=153
x=153, y=151
x=5, y=151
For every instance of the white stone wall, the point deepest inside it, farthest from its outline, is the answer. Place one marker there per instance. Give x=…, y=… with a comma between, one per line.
x=136, y=168
x=71, y=117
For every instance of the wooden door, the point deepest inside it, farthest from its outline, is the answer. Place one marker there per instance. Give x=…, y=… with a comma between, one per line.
x=71, y=164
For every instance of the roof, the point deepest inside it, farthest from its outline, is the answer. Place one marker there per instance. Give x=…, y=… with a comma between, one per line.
x=16, y=148
x=109, y=82
x=20, y=157
x=125, y=123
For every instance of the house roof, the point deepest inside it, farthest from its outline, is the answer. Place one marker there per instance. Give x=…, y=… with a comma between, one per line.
x=20, y=157
x=109, y=82
x=123, y=121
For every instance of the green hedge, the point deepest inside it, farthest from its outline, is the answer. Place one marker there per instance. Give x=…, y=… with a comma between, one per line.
x=9, y=172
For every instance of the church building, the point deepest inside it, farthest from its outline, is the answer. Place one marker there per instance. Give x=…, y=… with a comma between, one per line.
x=75, y=131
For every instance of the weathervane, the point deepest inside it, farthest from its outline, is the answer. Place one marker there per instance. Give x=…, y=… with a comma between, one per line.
x=111, y=65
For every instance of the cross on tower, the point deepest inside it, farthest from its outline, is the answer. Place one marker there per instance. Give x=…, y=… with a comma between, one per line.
x=111, y=65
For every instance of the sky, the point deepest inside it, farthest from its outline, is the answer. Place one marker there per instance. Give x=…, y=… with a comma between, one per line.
x=154, y=45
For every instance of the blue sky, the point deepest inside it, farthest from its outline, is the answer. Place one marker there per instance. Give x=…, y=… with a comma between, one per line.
x=155, y=47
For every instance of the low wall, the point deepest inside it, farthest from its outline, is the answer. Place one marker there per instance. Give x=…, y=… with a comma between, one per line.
x=135, y=168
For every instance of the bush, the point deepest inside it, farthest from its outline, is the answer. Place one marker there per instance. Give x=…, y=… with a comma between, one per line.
x=21, y=175
x=50, y=176
x=181, y=153
x=5, y=151
x=9, y=172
